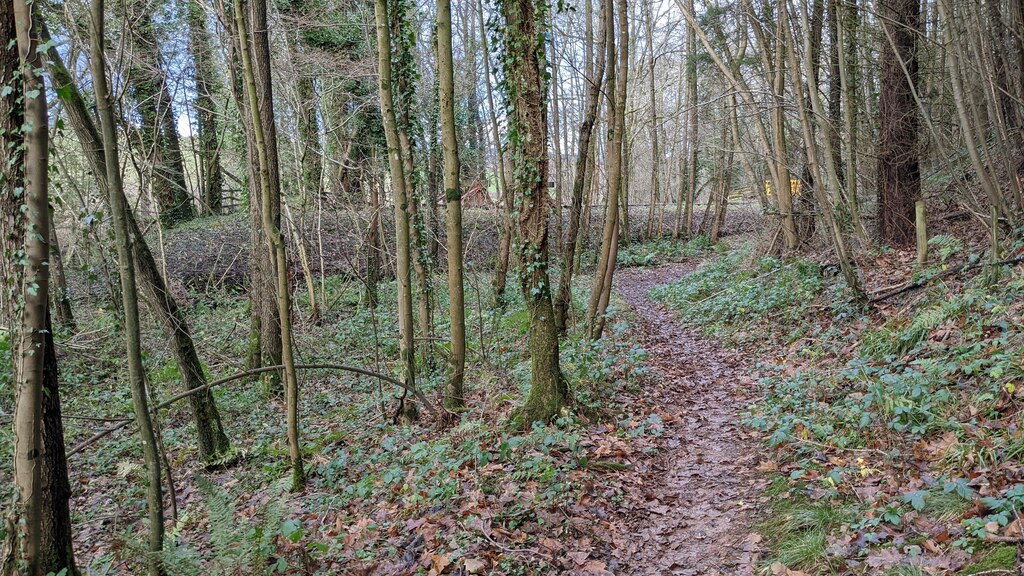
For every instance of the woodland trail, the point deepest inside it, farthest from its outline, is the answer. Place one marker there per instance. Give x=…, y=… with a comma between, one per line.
x=693, y=507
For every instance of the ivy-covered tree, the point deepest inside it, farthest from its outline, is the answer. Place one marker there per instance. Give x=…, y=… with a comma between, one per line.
x=523, y=63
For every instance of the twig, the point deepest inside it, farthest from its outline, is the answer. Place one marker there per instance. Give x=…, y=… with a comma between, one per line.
x=246, y=373
x=93, y=418
x=837, y=448
x=508, y=550
x=951, y=272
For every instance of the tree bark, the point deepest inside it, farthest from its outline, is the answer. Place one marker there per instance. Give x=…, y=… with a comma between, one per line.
x=505, y=197
x=617, y=76
x=61, y=299
x=524, y=57
x=397, y=170
x=899, y=174
x=563, y=299
x=211, y=178
x=148, y=89
x=213, y=443
x=455, y=395
x=39, y=531
x=257, y=56
x=129, y=296
x=653, y=103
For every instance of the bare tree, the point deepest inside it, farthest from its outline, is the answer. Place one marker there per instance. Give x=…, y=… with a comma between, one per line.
x=129, y=295
x=617, y=77
x=263, y=121
x=455, y=396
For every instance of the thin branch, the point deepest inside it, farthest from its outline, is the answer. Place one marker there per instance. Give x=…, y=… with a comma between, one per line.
x=246, y=373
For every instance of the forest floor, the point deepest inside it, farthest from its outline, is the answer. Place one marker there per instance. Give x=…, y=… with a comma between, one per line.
x=697, y=502
x=741, y=416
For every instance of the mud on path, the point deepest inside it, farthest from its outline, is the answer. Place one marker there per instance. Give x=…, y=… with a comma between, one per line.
x=693, y=507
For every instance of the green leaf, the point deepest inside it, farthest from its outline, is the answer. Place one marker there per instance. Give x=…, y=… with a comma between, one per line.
x=916, y=499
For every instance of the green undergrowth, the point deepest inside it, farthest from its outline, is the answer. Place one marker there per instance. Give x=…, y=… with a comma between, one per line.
x=895, y=432
x=661, y=251
x=381, y=493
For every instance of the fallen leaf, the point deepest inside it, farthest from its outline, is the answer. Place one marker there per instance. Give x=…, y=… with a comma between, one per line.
x=438, y=563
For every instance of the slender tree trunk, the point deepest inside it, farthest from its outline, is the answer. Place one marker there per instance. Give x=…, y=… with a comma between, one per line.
x=387, y=105
x=211, y=177
x=213, y=444
x=403, y=77
x=846, y=25
x=724, y=184
x=373, y=246
x=584, y=152
x=839, y=242
x=556, y=122
x=783, y=191
x=61, y=299
x=433, y=173
x=455, y=395
x=655, y=149
x=967, y=124
x=691, y=127
x=129, y=296
x=626, y=234
x=252, y=58
x=265, y=324
x=505, y=195
x=310, y=158
x=617, y=77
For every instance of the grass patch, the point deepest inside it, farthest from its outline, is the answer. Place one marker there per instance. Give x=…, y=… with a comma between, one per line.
x=1002, y=557
x=797, y=528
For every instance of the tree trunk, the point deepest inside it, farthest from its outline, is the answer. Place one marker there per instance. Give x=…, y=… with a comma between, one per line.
x=61, y=299
x=39, y=531
x=899, y=175
x=404, y=277
x=691, y=127
x=148, y=89
x=655, y=150
x=129, y=296
x=563, y=299
x=213, y=444
x=505, y=195
x=524, y=55
x=309, y=134
x=373, y=247
x=783, y=191
x=617, y=77
x=455, y=395
x=403, y=76
x=258, y=57
x=556, y=139
x=211, y=178
x=846, y=25
x=828, y=174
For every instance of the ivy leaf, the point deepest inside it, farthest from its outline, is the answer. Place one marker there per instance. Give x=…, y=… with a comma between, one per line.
x=915, y=499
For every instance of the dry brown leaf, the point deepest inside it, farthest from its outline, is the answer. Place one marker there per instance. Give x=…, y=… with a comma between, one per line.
x=438, y=563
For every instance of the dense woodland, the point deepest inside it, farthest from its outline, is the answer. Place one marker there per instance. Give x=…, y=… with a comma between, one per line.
x=512, y=287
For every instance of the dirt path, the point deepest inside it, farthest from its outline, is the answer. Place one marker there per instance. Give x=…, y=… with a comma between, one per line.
x=693, y=507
